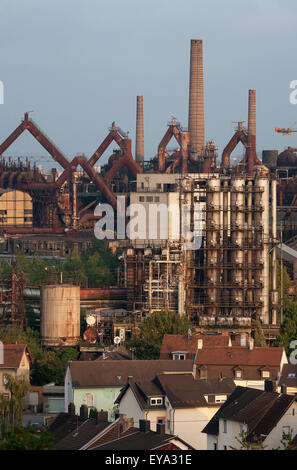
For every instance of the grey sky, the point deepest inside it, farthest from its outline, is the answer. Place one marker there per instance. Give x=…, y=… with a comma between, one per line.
x=79, y=64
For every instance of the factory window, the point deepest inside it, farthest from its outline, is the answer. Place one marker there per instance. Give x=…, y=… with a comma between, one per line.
x=157, y=199
x=3, y=212
x=141, y=198
x=27, y=211
x=159, y=186
x=149, y=198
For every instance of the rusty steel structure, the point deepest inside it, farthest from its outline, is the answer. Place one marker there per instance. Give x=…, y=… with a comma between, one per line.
x=230, y=279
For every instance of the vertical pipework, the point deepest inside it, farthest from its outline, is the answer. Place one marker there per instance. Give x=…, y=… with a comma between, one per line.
x=251, y=131
x=196, y=98
x=139, y=147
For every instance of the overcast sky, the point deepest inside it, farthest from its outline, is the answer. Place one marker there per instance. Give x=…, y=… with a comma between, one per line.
x=79, y=64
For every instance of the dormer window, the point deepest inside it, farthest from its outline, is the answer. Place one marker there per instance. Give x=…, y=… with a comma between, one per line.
x=156, y=401
x=265, y=374
x=179, y=355
x=203, y=372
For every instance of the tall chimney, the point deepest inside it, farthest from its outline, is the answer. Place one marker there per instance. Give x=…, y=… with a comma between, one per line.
x=139, y=146
x=251, y=154
x=252, y=113
x=196, y=98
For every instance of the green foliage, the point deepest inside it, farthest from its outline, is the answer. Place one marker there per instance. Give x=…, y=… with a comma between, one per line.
x=148, y=344
x=256, y=443
x=27, y=439
x=288, y=328
x=95, y=267
x=258, y=334
x=287, y=282
x=11, y=415
x=47, y=366
x=92, y=413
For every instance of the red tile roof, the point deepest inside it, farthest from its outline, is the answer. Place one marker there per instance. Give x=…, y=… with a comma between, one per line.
x=13, y=354
x=240, y=356
x=173, y=343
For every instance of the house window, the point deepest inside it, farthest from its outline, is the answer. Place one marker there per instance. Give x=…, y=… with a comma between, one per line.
x=149, y=198
x=141, y=198
x=179, y=357
x=89, y=399
x=157, y=199
x=221, y=398
x=156, y=401
x=203, y=373
x=161, y=420
x=215, y=446
x=238, y=374
x=225, y=426
x=265, y=374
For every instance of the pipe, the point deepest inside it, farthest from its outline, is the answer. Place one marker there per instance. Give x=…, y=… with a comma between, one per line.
x=139, y=145
x=196, y=98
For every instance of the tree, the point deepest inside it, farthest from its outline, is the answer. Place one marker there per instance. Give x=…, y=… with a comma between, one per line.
x=245, y=443
x=12, y=409
x=148, y=344
x=259, y=337
x=288, y=328
x=27, y=438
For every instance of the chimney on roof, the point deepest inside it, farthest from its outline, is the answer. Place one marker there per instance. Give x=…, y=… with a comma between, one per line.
x=144, y=425
x=269, y=386
x=161, y=429
x=101, y=417
x=126, y=422
x=139, y=146
x=200, y=344
x=196, y=98
x=84, y=412
x=251, y=344
x=71, y=409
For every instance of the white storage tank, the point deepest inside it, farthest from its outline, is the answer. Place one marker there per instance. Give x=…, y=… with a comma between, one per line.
x=60, y=315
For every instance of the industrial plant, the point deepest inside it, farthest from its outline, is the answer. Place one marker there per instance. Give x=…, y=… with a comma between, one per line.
x=246, y=212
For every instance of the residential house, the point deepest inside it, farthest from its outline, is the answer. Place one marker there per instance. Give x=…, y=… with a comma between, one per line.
x=98, y=383
x=143, y=438
x=176, y=400
x=252, y=416
x=248, y=367
x=16, y=362
x=288, y=378
x=181, y=347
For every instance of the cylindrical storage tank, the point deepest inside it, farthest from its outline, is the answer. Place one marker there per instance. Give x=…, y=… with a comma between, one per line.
x=60, y=315
x=269, y=158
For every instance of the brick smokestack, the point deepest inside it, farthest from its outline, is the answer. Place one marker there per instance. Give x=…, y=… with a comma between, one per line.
x=252, y=114
x=196, y=98
x=139, y=146
x=251, y=132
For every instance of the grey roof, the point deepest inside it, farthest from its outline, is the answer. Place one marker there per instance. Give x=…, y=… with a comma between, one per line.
x=115, y=373
x=289, y=375
x=260, y=410
x=182, y=390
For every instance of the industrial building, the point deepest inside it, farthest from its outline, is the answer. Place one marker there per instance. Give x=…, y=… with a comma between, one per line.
x=230, y=278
